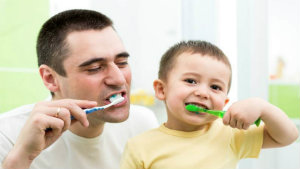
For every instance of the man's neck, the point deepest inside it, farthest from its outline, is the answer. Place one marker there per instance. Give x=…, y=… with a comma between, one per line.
x=87, y=132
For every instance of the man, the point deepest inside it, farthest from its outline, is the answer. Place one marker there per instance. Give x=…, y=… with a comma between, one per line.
x=83, y=62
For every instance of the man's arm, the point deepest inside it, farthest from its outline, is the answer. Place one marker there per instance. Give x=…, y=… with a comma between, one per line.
x=47, y=121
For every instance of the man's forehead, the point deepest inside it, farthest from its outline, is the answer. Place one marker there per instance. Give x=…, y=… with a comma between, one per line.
x=95, y=44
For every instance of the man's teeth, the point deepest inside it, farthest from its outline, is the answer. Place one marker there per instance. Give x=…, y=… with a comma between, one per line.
x=115, y=97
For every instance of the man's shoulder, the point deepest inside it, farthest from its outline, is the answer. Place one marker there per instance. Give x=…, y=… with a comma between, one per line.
x=140, y=119
x=20, y=111
x=12, y=121
x=137, y=111
x=142, y=116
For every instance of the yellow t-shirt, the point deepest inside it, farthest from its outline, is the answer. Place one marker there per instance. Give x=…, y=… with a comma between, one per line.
x=216, y=147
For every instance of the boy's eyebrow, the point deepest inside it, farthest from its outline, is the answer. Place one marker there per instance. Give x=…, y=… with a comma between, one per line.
x=220, y=81
x=100, y=59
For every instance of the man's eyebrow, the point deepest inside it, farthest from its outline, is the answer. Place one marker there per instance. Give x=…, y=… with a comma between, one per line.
x=88, y=62
x=123, y=54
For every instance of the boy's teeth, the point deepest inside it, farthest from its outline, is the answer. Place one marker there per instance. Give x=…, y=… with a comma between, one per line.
x=198, y=105
x=115, y=97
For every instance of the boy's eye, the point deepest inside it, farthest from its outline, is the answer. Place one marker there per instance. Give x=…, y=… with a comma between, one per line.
x=216, y=87
x=191, y=81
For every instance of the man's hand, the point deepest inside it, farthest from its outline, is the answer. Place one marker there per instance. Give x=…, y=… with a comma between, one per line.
x=46, y=123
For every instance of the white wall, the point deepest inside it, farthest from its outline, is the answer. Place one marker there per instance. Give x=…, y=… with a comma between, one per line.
x=239, y=28
x=147, y=29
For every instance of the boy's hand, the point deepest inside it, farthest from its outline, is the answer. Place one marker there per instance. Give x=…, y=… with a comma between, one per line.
x=279, y=130
x=242, y=114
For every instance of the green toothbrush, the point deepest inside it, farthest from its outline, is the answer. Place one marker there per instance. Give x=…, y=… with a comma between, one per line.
x=218, y=113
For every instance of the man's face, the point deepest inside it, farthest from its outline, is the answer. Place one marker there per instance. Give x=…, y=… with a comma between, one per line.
x=97, y=68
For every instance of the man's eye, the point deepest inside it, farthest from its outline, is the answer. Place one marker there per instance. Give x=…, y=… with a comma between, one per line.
x=122, y=64
x=191, y=81
x=216, y=87
x=94, y=69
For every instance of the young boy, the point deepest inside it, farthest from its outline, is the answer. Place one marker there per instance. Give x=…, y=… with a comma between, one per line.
x=197, y=72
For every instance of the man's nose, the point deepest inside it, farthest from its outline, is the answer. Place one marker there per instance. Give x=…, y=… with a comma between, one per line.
x=115, y=76
x=202, y=91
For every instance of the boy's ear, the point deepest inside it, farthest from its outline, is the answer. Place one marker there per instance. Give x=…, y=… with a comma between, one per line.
x=48, y=76
x=227, y=100
x=159, y=88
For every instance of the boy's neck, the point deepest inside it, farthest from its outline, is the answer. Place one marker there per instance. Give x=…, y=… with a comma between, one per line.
x=186, y=128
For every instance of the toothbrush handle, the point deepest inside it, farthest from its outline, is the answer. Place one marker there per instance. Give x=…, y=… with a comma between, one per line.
x=88, y=111
x=257, y=122
x=91, y=110
x=222, y=113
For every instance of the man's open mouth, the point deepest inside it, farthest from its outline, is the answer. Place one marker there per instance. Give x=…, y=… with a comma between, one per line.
x=115, y=96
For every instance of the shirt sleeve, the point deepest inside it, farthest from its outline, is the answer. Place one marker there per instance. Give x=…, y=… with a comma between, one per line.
x=5, y=146
x=130, y=158
x=248, y=143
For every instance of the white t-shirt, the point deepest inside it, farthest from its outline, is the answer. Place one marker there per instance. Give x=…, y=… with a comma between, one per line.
x=74, y=152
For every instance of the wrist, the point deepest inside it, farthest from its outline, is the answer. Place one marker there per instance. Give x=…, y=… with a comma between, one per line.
x=266, y=111
x=17, y=159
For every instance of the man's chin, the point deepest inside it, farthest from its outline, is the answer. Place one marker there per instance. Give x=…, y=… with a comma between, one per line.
x=118, y=119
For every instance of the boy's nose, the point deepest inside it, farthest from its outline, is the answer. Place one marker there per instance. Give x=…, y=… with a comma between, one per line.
x=202, y=91
x=115, y=76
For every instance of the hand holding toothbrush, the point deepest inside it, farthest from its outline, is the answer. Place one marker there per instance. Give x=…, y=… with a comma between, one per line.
x=279, y=130
x=239, y=115
x=36, y=134
x=242, y=114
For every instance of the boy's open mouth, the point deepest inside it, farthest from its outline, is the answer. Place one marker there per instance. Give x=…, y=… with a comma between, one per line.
x=197, y=104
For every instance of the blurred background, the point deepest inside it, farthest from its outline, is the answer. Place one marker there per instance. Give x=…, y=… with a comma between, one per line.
x=260, y=37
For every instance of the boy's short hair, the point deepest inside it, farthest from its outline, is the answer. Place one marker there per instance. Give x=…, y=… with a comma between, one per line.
x=202, y=47
x=52, y=48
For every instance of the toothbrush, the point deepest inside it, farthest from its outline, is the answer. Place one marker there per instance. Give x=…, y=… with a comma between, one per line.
x=114, y=102
x=88, y=111
x=218, y=113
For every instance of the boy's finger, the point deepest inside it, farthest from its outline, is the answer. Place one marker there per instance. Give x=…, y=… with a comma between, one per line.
x=233, y=122
x=239, y=124
x=226, y=118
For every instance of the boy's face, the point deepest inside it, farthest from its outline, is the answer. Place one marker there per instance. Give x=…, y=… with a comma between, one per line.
x=199, y=80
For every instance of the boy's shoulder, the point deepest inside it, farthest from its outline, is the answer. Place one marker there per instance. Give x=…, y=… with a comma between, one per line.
x=146, y=136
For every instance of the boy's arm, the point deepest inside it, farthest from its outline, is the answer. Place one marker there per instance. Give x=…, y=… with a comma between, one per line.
x=129, y=160
x=279, y=130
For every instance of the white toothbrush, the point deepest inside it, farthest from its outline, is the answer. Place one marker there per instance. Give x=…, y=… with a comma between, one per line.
x=114, y=102
x=88, y=111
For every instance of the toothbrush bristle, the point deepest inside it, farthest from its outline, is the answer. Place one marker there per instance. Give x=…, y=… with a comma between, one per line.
x=194, y=108
x=115, y=97
x=118, y=100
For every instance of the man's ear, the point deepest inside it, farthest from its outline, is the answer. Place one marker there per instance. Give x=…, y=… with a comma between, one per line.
x=48, y=76
x=159, y=88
